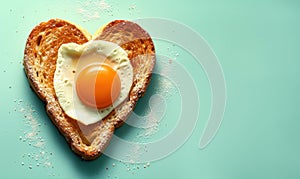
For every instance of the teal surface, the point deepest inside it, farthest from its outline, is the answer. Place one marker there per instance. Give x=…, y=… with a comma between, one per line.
x=257, y=44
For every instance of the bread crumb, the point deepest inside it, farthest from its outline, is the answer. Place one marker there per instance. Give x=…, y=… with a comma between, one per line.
x=38, y=152
x=93, y=10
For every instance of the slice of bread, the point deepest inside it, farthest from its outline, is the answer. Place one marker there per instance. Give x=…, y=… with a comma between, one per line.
x=88, y=141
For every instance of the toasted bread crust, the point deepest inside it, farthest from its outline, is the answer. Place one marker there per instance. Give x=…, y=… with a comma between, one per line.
x=40, y=58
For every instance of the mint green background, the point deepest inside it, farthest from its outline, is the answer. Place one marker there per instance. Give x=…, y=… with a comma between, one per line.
x=257, y=44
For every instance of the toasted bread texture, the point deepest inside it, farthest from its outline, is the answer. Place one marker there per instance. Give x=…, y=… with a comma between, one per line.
x=40, y=55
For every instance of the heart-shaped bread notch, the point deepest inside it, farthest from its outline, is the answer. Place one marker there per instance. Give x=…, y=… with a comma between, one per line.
x=40, y=55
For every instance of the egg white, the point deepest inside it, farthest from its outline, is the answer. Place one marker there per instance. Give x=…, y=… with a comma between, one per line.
x=72, y=58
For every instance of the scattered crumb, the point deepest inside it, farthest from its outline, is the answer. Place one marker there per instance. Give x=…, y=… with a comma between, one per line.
x=133, y=10
x=93, y=10
x=31, y=136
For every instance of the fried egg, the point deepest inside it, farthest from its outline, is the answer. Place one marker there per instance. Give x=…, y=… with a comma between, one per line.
x=92, y=79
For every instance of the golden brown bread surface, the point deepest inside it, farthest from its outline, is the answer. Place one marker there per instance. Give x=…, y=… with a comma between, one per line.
x=40, y=56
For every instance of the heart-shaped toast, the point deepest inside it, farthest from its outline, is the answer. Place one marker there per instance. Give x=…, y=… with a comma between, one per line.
x=40, y=58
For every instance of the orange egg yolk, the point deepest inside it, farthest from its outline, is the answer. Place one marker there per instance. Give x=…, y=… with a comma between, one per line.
x=98, y=85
